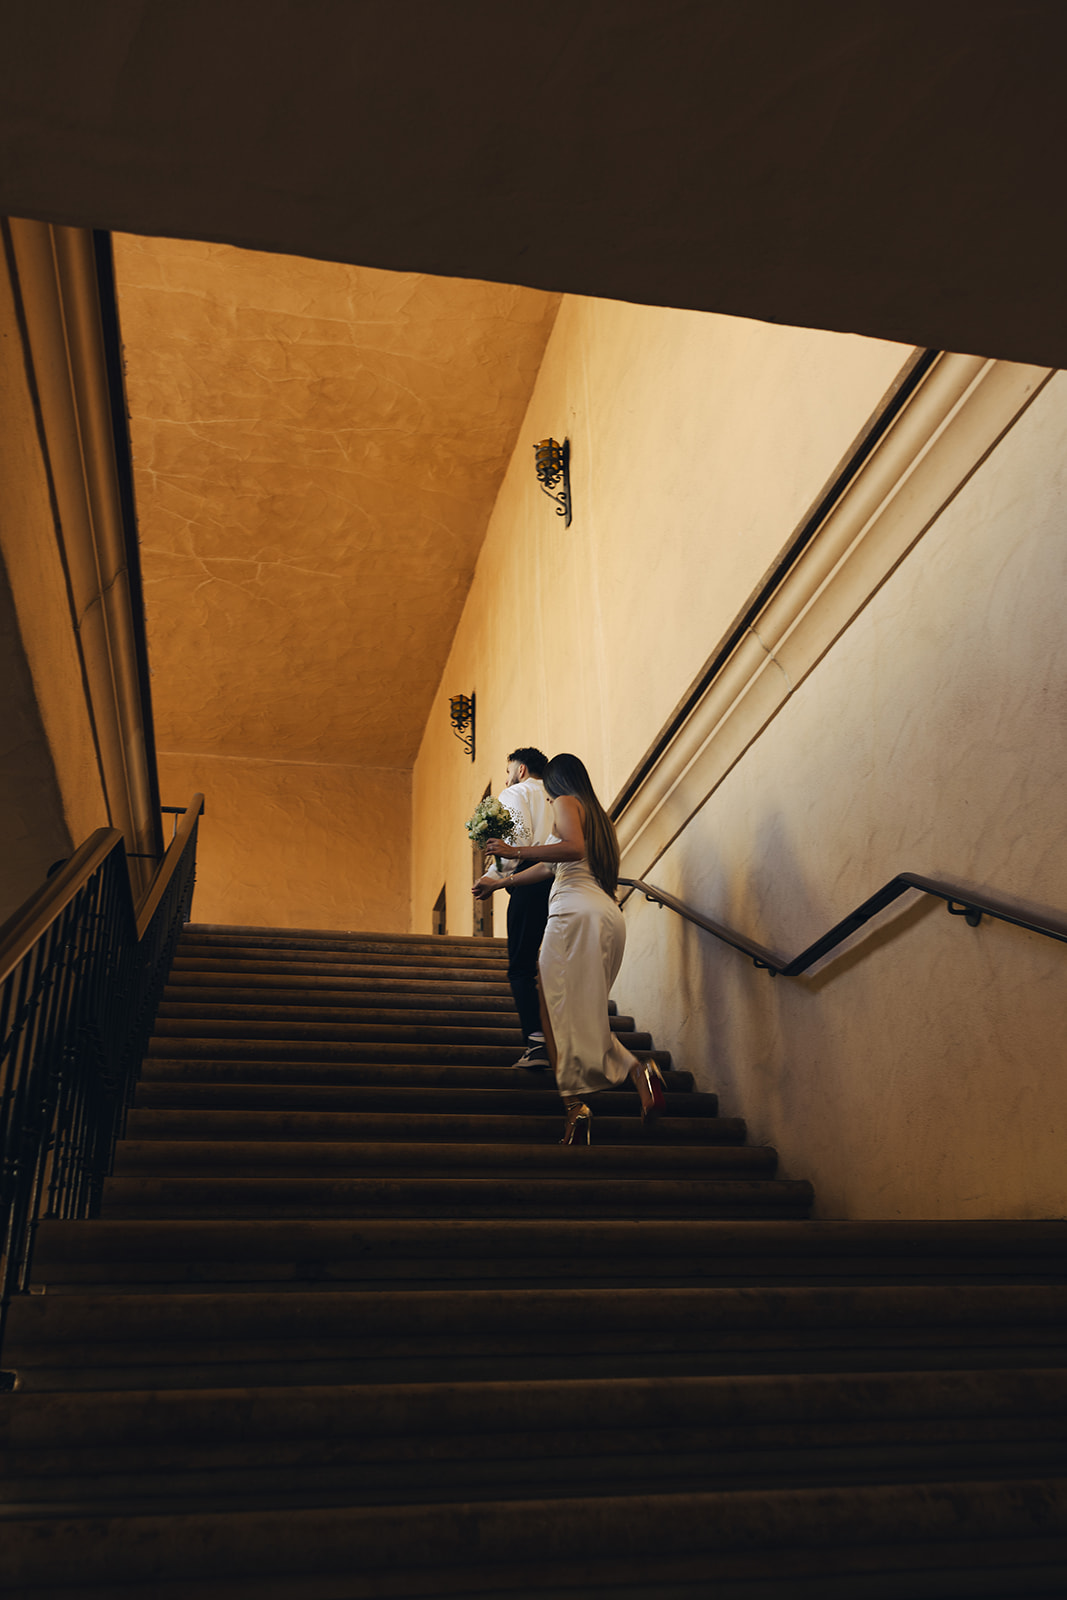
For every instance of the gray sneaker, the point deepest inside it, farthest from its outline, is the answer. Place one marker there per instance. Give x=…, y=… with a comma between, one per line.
x=534, y=1059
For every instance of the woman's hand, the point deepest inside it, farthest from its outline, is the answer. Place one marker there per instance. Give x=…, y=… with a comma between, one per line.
x=497, y=847
x=486, y=887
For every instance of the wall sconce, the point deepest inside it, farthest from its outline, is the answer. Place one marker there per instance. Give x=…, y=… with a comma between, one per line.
x=461, y=711
x=553, y=463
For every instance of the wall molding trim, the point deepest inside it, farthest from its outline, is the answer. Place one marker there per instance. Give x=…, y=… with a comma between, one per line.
x=59, y=293
x=956, y=416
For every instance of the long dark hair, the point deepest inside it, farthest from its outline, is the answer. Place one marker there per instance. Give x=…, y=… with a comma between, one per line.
x=565, y=774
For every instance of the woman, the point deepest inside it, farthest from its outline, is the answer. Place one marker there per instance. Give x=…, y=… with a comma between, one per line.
x=582, y=948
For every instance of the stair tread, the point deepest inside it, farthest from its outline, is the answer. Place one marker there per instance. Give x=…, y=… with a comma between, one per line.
x=77, y=1316
x=777, y=1531
x=33, y=1419
x=596, y=1195
x=457, y=1044
x=181, y=983
x=199, y=1018
x=543, y=1155
x=188, y=999
x=437, y=968
x=399, y=1075
x=855, y=1240
x=411, y=1126
x=238, y=930
x=151, y=1104
x=373, y=1439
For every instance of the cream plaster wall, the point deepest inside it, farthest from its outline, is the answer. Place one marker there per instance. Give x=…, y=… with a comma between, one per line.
x=918, y=1073
x=698, y=444
x=289, y=844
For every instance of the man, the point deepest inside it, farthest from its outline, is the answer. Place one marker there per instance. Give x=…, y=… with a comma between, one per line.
x=525, y=798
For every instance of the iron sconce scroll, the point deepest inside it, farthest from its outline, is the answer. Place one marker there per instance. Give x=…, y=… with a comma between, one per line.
x=461, y=713
x=553, y=464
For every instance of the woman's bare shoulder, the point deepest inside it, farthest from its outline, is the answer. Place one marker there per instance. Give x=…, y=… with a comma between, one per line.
x=570, y=803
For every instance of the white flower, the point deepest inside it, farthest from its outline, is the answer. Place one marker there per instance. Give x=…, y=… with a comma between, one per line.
x=491, y=820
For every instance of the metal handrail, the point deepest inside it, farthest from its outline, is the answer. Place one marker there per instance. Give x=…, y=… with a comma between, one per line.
x=153, y=895
x=961, y=903
x=82, y=972
x=37, y=914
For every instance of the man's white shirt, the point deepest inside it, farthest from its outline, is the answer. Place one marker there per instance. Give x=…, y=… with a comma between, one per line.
x=532, y=811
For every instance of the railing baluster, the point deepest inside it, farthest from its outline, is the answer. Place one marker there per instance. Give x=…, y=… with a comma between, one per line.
x=81, y=975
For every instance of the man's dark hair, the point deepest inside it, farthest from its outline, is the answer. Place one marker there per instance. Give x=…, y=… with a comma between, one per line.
x=535, y=761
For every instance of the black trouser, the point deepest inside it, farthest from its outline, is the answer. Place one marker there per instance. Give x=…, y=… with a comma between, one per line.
x=527, y=915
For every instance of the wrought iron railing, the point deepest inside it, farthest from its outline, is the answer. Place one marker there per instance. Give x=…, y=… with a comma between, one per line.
x=81, y=975
x=961, y=903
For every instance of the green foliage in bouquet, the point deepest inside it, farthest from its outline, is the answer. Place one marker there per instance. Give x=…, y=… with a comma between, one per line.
x=491, y=820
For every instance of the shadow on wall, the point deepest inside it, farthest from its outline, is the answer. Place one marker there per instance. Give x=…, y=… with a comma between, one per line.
x=33, y=831
x=743, y=1013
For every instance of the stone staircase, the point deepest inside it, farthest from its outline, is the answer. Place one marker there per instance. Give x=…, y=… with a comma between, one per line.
x=353, y=1325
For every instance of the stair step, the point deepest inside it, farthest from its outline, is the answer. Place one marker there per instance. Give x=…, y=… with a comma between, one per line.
x=603, y=1318
x=766, y=1252
x=349, y=1045
x=367, y=1415
x=762, y=1541
x=305, y=1025
x=212, y=981
x=224, y=934
x=163, y=1196
x=433, y=1124
x=492, y=1439
x=457, y=980
x=138, y=1340
x=436, y=1156
x=188, y=1105
x=214, y=985
x=317, y=1077
x=333, y=1006
x=437, y=968
x=457, y=945
x=115, y=1482
x=183, y=997
x=426, y=1016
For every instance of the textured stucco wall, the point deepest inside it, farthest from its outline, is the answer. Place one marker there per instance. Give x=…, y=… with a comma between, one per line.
x=920, y=1072
x=297, y=845
x=698, y=444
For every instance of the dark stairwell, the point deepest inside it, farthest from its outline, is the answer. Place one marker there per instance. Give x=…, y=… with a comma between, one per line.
x=352, y=1324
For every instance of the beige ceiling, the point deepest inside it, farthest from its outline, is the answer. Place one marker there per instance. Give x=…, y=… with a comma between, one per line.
x=317, y=450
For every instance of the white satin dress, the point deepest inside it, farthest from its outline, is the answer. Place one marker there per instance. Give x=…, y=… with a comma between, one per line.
x=581, y=954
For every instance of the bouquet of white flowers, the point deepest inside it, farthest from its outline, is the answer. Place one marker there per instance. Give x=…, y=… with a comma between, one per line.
x=491, y=820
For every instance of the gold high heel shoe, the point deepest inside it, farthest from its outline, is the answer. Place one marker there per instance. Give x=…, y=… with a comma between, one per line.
x=579, y=1121
x=657, y=1089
